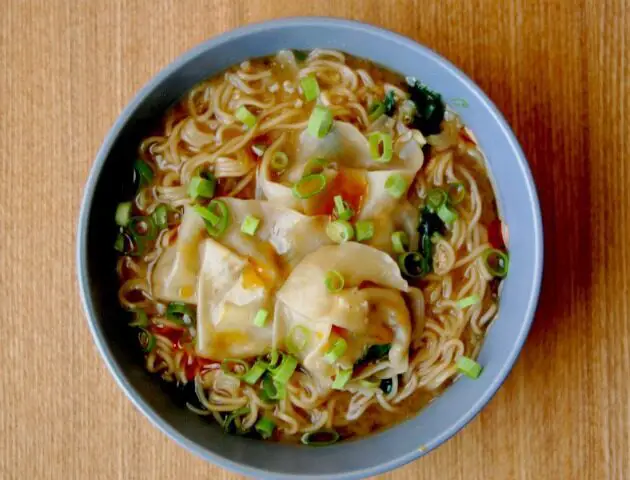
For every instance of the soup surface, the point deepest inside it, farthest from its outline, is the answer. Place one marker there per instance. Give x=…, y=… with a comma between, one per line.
x=313, y=251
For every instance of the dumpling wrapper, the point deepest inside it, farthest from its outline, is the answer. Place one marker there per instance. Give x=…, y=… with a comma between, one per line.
x=304, y=301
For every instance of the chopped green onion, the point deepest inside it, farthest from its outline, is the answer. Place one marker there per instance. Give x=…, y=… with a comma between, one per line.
x=497, y=262
x=229, y=366
x=265, y=427
x=142, y=228
x=334, y=281
x=260, y=319
x=343, y=211
x=297, y=339
x=259, y=149
x=253, y=374
x=320, y=122
x=144, y=171
x=201, y=187
x=245, y=116
x=310, y=87
x=272, y=391
x=369, y=384
x=381, y=149
x=126, y=245
x=456, y=193
x=309, y=186
x=364, y=229
x=342, y=377
x=400, y=242
x=180, y=313
x=468, y=301
x=321, y=438
x=337, y=350
x=300, y=56
x=234, y=419
x=206, y=214
x=250, y=225
x=412, y=264
x=279, y=161
x=340, y=231
x=147, y=340
x=141, y=319
x=282, y=373
x=447, y=214
x=314, y=165
x=274, y=357
x=160, y=216
x=436, y=197
x=468, y=367
x=390, y=103
x=396, y=185
x=375, y=111
x=217, y=229
x=123, y=213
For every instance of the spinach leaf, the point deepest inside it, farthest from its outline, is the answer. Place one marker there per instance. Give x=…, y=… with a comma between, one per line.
x=374, y=352
x=430, y=224
x=390, y=103
x=429, y=108
x=386, y=385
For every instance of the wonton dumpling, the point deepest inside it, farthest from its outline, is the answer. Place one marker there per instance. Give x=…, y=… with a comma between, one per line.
x=174, y=277
x=363, y=314
x=228, y=303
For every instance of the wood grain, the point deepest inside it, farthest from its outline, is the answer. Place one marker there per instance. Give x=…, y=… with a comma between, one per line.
x=558, y=69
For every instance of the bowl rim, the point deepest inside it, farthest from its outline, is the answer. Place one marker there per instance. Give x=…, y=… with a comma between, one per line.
x=97, y=167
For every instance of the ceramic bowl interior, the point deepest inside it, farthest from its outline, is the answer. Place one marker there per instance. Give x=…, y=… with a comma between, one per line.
x=108, y=184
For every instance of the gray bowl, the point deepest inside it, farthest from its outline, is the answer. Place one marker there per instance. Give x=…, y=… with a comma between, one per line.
x=107, y=185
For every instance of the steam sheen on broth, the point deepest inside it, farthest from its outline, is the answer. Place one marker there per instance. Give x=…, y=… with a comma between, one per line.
x=314, y=250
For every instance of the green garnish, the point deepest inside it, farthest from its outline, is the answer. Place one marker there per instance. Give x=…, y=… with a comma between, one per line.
x=253, y=374
x=338, y=348
x=412, y=264
x=334, y=281
x=400, y=242
x=310, y=87
x=180, y=313
x=260, y=319
x=160, y=216
x=144, y=171
x=429, y=109
x=396, y=185
x=364, y=230
x=147, y=340
x=340, y=231
x=245, y=116
x=468, y=301
x=468, y=367
x=320, y=438
x=202, y=187
x=447, y=214
x=320, y=122
x=389, y=103
x=279, y=161
x=497, y=262
x=265, y=427
x=342, y=377
x=381, y=148
x=342, y=209
x=309, y=186
x=250, y=225
x=123, y=214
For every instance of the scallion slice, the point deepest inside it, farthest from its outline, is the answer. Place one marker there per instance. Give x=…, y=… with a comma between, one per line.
x=142, y=228
x=400, y=242
x=314, y=165
x=234, y=420
x=220, y=210
x=202, y=187
x=340, y=231
x=271, y=391
x=468, y=367
x=334, y=281
x=321, y=438
x=364, y=230
x=396, y=185
x=343, y=211
x=447, y=214
x=310, y=87
x=160, y=216
x=180, y=313
x=144, y=171
x=320, y=122
x=436, y=197
x=456, y=193
x=412, y=264
x=338, y=348
x=147, y=340
x=260, y=319
x=309, y=186
x=140, y=319
x=342, y=377
x=497, y=262
x=375, y=111
x=235, y=367
x=207, y=215
x=297, y=339
x=468, y=301
x=245, y=116
x=123, y=214
x=253, y=374
x=265, y=427
x=250, y=225
x=282, y=373
x=279, y=161
x=381, y=149
x=126, y=245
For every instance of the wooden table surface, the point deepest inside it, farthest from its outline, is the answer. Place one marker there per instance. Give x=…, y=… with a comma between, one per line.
x=558, y=69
